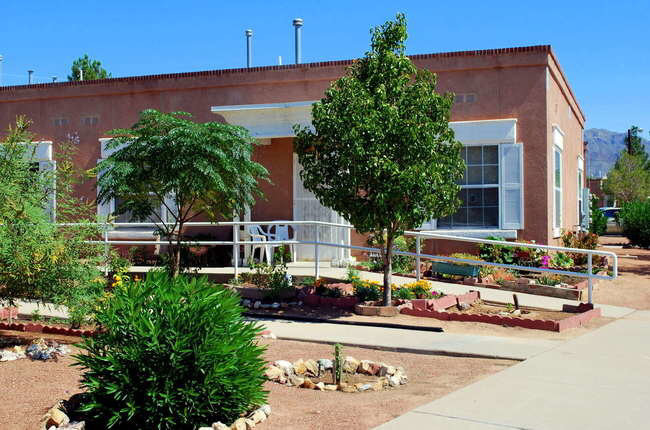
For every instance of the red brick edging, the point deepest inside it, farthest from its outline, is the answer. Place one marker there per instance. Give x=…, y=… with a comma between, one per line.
x=40, y=328
x=561, y=325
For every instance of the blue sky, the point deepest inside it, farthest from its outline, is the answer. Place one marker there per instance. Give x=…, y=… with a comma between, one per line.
x=603, y=46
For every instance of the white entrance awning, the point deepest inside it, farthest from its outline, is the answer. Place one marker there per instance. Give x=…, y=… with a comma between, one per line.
x=265, y=121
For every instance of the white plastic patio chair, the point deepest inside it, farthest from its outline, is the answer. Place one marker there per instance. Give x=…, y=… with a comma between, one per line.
x=256, y=234
x=279, y=232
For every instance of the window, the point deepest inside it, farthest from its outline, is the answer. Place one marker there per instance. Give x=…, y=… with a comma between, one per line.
x=128, y=216
x=465, y=98
x=60, y=122
x=557, y=190
x=89, y=121
x=479, y=192
x=580, y=188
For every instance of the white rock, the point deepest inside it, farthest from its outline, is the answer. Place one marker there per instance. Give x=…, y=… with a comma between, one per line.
x=220, y=426
x=269, y=336
x=257, y=304
x=325, y=363
x=257, y=416
x=286, y=367
x=386, y=370
x=275, y=305
x=266, y=409
x=365, y=387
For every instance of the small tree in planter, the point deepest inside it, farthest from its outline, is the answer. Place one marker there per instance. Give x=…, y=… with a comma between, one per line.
x=189, y=168
x=382, y=153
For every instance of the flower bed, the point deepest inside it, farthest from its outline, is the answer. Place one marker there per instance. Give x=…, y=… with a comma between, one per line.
x=583, y=314
x=357, y=376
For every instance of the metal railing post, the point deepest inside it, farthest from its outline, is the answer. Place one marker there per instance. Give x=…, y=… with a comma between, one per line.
x=235, y=248
x=106, y=250
x=316, y=268
x=417, y=260
x=590, y=281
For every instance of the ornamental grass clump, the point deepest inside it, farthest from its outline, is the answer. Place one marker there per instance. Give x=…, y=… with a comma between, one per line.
x=171, y=353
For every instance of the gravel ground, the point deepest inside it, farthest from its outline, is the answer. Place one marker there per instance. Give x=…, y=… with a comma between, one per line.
x=30, y=388
x=632, y=288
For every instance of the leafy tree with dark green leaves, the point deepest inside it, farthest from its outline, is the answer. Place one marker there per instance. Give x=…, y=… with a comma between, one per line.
x=381, y=152
x=634, y=143
x=190, y=169
x=92, y=69
x=629, y=179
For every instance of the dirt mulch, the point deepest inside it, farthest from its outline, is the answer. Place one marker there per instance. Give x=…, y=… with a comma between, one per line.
x=632, y=287
x=30, y=388
x=480, y=308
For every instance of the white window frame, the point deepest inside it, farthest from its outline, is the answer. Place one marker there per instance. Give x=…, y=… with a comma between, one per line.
x=580, y=186
x=498, y=185
x=558, y=148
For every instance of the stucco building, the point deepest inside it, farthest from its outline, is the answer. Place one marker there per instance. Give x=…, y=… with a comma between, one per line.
x=515, y=113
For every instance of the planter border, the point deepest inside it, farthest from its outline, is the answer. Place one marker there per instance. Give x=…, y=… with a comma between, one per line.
x=536, y=324
x=46, y=329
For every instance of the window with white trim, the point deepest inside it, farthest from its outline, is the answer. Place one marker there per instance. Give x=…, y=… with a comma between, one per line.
x=579, y=188
x=479, y=192
x=557, y=190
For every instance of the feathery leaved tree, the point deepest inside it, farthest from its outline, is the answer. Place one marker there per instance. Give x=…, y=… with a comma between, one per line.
x=92, y=69
x=381, y=152
x=190, y=169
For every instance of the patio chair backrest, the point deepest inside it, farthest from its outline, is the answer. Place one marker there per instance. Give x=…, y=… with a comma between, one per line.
x=281, y=232
x=255, y=229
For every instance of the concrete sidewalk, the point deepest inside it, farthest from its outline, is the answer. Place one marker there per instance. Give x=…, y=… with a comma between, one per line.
x=412, y=340
x=596, y=381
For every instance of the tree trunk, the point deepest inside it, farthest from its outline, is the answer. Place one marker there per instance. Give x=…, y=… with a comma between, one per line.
x=177, y=251
x=388, y=270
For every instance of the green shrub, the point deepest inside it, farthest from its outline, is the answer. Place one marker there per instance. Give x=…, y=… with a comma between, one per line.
x=367, y=292
x=400, y=263
x=404, y=294
x=635, y=222
x=273, y=280
x=352, y=274
x=598, y=220
x=173, y=353
x=496, y=253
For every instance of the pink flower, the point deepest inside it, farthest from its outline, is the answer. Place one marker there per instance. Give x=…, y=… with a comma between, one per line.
x=545, y=261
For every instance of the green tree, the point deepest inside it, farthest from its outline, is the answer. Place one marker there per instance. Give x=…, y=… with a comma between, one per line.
x=597, y=220
x=92, y=69
x=189, y=168
x=38, y=260
x=629, y=179
x=381, y=152
x=634, y=143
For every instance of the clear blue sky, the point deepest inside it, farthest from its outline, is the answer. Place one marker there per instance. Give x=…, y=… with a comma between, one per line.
x=603, y=46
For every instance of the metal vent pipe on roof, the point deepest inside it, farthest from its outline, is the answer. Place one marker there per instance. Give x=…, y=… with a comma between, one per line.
x=249, y=48
x=297, y=23
x=29, y=77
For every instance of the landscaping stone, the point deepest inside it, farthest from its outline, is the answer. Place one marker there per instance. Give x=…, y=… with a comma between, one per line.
x=386, y=370
x=312, y=367
x=325, y=363
x=299, y=367
x=273, y=373
x=257, y=416
x=286, y=366
x=350, y=365
x=239, y=424
x=220, y=426
x=365, y=367
x=330, y=387
x=257, y=304
x=363, y=387
x=320, y=386
x=347, y=388
x=308, y=384
x=57, y=418
x=296, y=380
x=266, y=409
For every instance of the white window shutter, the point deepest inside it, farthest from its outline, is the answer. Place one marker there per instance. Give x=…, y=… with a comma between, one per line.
x=104, y=210
x=512, y=196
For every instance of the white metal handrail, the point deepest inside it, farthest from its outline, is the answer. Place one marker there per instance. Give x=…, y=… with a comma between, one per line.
x=236, y=243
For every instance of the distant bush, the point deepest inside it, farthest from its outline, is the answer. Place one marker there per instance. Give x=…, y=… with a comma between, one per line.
x=172, y=353
x=598, y=220
x=635, y=222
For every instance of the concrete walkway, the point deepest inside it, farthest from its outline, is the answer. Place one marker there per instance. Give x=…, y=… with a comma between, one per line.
x=596, y=381
x=411, y=340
